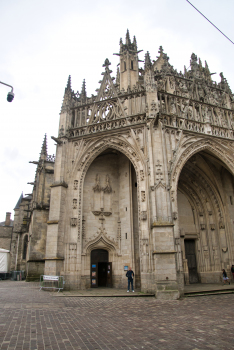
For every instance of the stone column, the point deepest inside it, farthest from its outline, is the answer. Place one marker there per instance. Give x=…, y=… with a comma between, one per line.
x=54, y=258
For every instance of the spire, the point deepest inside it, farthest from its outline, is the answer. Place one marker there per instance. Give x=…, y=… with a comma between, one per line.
x=148, y=63
x=83, y=94
x=19, y=201
x=129, y=69
x=135, y=42
x=118, y=77
x=83, y=90
x=224, y=84
x=68, y=87
x=43, y=153
x=127, y=41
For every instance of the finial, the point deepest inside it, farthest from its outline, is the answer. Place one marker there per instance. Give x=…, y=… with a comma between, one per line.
x=135, y=42
x=160, y=50
x=127, y=41
x=83, y=94
x=106, y=63
x=194, y=57
x=44, y=147
x=69, y=82
x=148, y=63
x=120, y=41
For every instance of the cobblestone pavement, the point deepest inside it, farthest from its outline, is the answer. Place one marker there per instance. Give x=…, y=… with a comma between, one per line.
x=30, y=319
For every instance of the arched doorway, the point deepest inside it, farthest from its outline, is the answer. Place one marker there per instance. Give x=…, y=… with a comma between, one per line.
x=205, y=217
x=110, y=217
x=101, y=269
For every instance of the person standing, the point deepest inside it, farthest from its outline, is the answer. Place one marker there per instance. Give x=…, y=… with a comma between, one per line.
x=225, y=277
x=130, y=275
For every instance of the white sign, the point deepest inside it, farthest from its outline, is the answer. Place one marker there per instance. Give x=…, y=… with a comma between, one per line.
x=50, y=278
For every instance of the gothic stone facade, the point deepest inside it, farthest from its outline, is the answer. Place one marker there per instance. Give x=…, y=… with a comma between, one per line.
x=144, y=171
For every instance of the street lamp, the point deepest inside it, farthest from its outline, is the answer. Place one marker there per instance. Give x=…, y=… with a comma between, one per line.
x=10, y=95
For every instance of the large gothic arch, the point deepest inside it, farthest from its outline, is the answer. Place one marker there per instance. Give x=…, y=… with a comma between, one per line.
x=92, y=152
x=217, y=148
x=101, y=238
x=200, y=182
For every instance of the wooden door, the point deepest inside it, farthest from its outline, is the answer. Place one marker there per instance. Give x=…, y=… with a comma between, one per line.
x=109, y=275
x=191, y=258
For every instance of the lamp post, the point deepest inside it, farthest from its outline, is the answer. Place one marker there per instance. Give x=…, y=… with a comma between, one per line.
x=10, y=95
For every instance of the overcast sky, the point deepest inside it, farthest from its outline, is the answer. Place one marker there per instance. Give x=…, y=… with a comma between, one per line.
x=43, y=41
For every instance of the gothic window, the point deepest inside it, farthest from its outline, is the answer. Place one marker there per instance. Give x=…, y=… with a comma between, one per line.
x=125, y=65
x=25, y=247
x=131, y=64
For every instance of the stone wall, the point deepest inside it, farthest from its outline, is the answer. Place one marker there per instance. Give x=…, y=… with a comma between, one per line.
x=5, y=237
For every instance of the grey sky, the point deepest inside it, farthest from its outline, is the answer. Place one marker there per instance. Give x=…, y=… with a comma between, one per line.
x=42, y=42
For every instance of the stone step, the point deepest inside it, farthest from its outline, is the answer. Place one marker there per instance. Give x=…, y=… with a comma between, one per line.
x=127, y=295
x=208, y=292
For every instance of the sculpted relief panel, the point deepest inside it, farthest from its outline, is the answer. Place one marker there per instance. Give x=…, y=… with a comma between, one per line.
x=107, y=198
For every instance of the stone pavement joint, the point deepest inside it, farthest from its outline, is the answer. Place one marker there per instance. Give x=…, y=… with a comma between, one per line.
x=34, y=320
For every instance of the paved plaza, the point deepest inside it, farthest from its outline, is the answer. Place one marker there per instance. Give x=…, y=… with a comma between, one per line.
x=33, y=319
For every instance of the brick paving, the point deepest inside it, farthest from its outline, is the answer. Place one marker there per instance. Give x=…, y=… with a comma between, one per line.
x=30, y=319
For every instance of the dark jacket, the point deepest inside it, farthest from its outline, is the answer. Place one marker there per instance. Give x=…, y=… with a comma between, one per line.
x=224, y=274
x=130, y=274
x=232, y=269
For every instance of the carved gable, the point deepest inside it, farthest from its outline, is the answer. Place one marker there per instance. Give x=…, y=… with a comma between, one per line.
x=107, y=106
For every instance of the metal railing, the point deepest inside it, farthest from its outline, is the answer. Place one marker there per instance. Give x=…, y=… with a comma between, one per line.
x=51, y=282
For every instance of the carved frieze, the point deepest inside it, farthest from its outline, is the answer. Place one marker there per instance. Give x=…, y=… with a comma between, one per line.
x=72, y=246
x=212, y=227
x=74, y=203
x=73, y=222
x=221, y=224
x=75, y=187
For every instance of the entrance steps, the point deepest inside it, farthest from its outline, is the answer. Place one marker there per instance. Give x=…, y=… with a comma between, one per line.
x=102, y=292
x=199, y=289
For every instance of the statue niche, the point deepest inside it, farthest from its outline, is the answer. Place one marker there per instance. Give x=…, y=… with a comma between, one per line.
x=102, y=197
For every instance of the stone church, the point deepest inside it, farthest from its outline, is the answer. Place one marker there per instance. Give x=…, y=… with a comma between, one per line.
x=143, y=177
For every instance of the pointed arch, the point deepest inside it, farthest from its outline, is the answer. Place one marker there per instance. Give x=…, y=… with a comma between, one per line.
x=96, y=148
x=214, y=147
x=100, y=242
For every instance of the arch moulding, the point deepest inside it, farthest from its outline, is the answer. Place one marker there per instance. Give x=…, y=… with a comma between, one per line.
x=216, y=148
x=88, y=157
